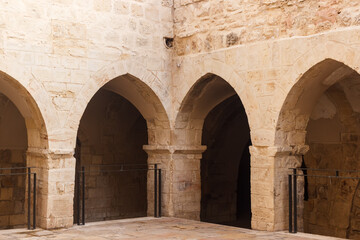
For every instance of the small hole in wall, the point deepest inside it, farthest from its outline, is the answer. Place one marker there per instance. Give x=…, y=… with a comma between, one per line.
x=169, y=42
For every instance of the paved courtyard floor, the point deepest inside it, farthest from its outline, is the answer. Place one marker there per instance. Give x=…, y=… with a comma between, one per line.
x=150, y=229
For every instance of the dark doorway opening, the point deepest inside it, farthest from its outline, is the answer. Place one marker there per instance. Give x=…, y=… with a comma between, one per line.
x=225, y=166
x=112, y=132
x=13, y=146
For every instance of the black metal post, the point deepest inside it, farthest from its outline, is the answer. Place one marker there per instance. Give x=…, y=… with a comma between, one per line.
x=34, y=203
x=77, y=186
x=290, y=203
x=295, y=201
x=29, y=197
x=83, y=195
x=159, y=192
x=155, y=190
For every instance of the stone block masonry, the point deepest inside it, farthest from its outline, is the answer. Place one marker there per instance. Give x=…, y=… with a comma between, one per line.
x=278, y=57
x=207, y=25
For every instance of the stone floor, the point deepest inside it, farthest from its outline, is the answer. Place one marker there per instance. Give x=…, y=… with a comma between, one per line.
x=151, y=229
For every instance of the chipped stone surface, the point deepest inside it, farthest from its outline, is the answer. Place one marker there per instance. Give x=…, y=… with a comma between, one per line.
x=206, y=24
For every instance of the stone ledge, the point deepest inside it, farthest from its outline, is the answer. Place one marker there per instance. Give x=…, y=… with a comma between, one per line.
x=275, y=151
x=58, y=153
x=158, y=149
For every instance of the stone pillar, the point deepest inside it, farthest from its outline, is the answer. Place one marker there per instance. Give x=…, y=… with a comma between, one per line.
x=160, y=155
x=269, y=185
x=181, y=181
x=55, y=186
x=187, y=181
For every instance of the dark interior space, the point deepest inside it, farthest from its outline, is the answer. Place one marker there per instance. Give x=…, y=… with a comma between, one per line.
x=112, y=132
x=225, y=166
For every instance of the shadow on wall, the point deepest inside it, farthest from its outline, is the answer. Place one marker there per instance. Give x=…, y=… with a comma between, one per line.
x=13, y=145
x=332, y=206
x=225, y=166
x=112, y=131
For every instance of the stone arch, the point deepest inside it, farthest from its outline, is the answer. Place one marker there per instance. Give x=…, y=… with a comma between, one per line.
x=37, y=135
x=215, y=64
x=207, y=92
x=330, y=54
x=138, y=85
x=141, y=92
x=208, y=115
x=37, y=116
x=297, y=107
x=30, y=96
x=304, y=82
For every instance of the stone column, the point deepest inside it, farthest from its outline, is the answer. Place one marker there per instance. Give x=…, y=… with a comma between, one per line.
x=181, y=181
x=55, y=186
x=285, y=158
x=160, y=155
x=269, y=185
x=187, y=181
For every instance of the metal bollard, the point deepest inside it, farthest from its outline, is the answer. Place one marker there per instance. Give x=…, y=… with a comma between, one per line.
x=155, y=191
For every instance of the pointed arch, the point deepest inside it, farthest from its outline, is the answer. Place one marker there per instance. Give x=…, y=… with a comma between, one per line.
x=206, y=93
x=28, y=107
x=299, y=103
x=138, y=85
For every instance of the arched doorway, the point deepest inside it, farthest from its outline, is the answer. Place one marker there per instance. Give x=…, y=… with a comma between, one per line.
x=212, y=114
x=22, y=130
x=321, y=111
x=13, y=146
x=119, y=120
x=225, y=166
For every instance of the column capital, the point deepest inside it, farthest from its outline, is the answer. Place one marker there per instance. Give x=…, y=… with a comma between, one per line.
x=52, y=153
x=160, y=149
x=274, y=151
x=156, y=149
x=189, y=149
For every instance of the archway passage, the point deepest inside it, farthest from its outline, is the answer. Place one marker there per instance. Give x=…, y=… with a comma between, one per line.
x=112, y=132
x=225, y=166
x=13, y=146
x=23, y=134
x=333, y=135
x=213, y=117
x=322, y=111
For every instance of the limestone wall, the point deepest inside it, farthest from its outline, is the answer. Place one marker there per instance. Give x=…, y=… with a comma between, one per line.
x=206, y=25
x=112, y=132
x=55, y=55
x=278, y=82
x=276, y=55
x=62, y=44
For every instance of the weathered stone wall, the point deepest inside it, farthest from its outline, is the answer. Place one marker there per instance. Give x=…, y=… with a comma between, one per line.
x=225, y=173
x=273, y=80
x=61, y=45
x=112, y=132
x=54, y=56
x=205, y=25
x=333, y=134
x=13, y=144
